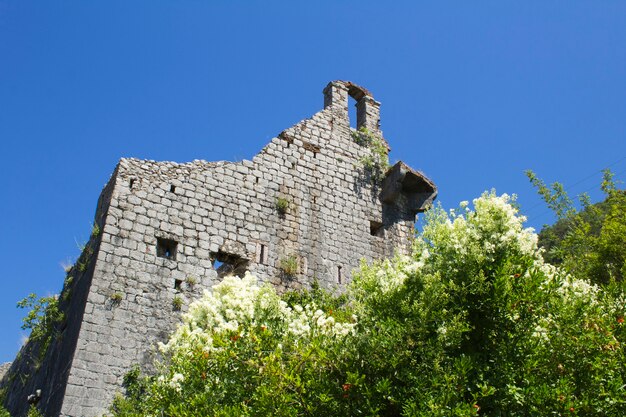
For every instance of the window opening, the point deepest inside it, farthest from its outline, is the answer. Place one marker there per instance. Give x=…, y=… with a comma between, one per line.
x=262, y=254
x=339, y=275
x=172, y=188
x=166, y=248
x=352, y=112
x=228, y=264
x=376, y=229
x=177, y=284
x=131, y=183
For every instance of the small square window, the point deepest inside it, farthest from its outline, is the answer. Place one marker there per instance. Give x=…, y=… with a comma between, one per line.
x=377, y=229
x=166, y=248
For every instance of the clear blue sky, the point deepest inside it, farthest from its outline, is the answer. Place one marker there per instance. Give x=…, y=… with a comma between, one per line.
x=473, y=93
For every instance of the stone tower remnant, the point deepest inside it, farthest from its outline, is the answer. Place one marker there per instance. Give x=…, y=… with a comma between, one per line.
x=308, y=207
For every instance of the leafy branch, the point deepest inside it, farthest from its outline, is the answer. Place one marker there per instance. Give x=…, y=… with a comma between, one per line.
x=42, y=319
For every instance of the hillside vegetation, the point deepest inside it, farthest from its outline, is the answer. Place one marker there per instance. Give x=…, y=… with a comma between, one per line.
x=591, y=242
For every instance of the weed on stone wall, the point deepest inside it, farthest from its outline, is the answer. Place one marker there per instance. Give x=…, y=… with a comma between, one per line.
x=116, y=298
x=191, y=281
x=43, y=320
x=289, y=265
x=95, y=230
x=177, y=303
x=282, y=204
x=377, y=162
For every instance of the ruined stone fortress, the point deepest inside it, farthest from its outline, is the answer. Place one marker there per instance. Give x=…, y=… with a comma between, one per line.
x=307, y=207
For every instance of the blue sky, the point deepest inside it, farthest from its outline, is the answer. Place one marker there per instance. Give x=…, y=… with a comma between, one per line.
x=473, y=93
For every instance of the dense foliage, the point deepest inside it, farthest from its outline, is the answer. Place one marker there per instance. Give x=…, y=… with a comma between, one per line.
x=474, y=322
x=590, y=243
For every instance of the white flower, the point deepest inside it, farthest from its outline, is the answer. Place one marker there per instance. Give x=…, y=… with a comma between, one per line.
x=175, y=382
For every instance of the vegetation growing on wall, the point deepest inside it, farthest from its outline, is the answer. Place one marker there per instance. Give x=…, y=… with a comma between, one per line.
x=43, y=320
x=177, y=303
x=289, y=264
x=474, y=322
x=377, y=161
x=282, y=205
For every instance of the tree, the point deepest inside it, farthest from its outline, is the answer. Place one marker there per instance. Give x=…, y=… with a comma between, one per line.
x=590, y=243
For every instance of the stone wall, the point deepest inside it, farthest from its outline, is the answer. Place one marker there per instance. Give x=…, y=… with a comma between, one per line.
x=171, y=230
x=4, y=368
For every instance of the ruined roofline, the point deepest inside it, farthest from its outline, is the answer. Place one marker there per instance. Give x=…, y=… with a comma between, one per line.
x=419, y=174
x=418, y=190
x=191, y=164
x=368, y=111
x=336, y=95
x=354, y=90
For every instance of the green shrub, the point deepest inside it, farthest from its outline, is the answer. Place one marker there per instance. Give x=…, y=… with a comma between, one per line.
x=43, y=320
x=33, y=411
x=282, y=205
x=377, y=161
x=117, y=297
x=289, y=265
x=191, y=281
x=177, y=303
x=95, y=230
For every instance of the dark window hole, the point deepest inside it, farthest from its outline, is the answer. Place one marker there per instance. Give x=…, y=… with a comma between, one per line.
x=376, y=229
x=177, y=284
x=339, y=275
x=172, y=188
x=131, y=183
x=166, y=248
x=262, y=254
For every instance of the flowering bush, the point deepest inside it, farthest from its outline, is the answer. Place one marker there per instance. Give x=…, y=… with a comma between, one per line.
x=472, y=323
x=242, y=350
x=475, y=322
